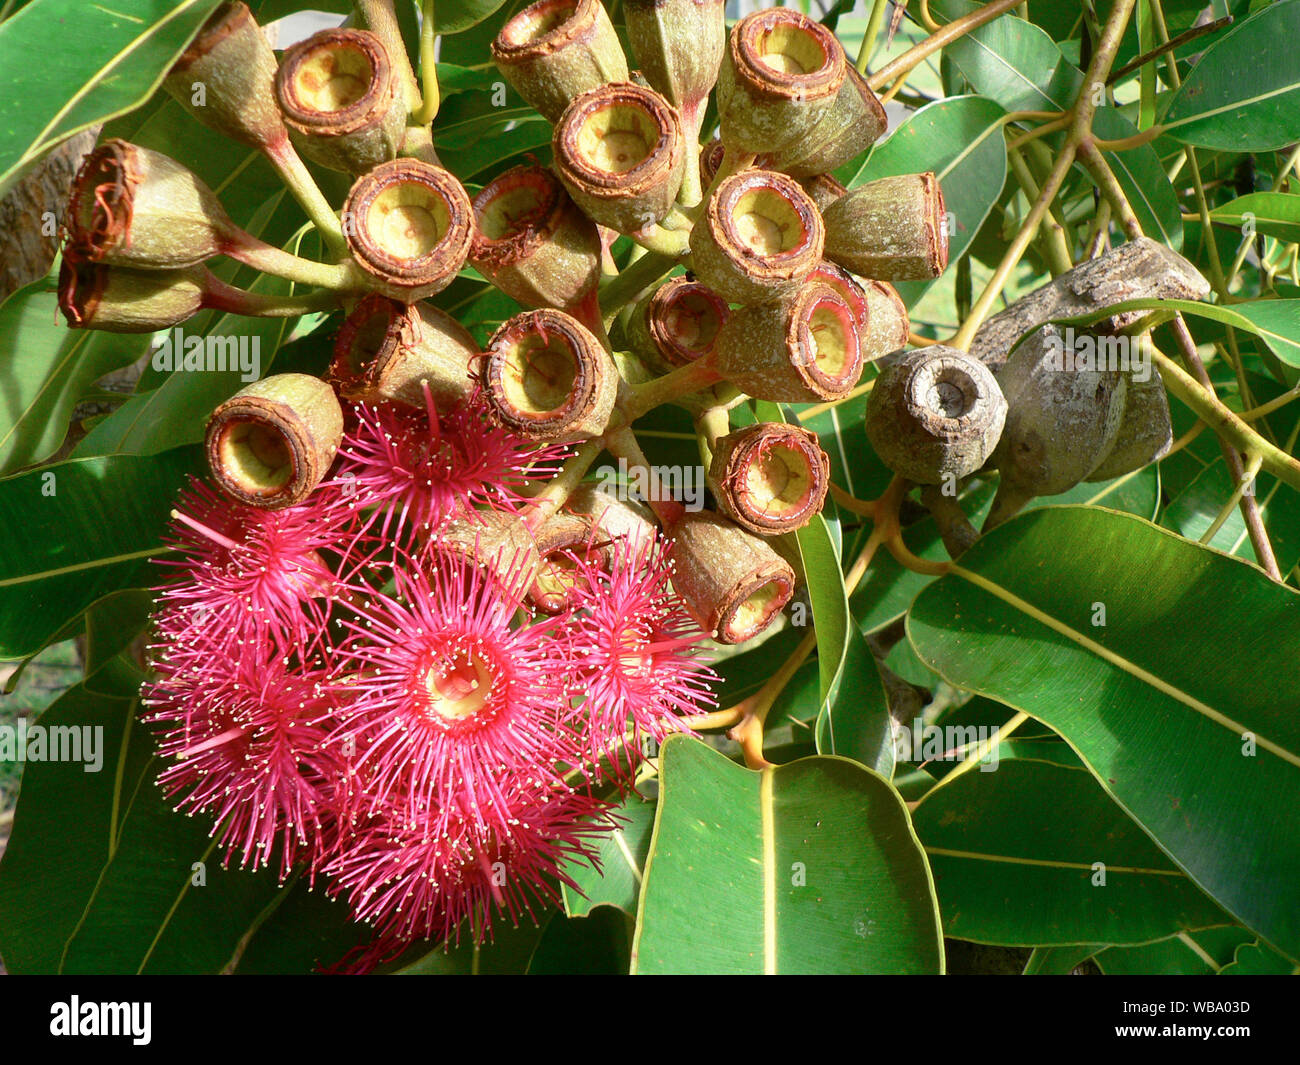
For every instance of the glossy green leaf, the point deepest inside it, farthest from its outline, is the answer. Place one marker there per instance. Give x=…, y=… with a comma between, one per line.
x=810, y=867
x=621, y=855
x=854, y=722
x=508, y=953
x=47, y=369
x=1244, y=94
x=1275, y=214
x=1276, y=322
x=456, y=16
x=1197, y=506
x=1058, y=961
x=597, y=944
x=62, y=833
x=1010, y=61
x=1187, y=954
x=961, y=140
x=1144, y=181
x=1181, y=722
x=1006, y=873
x=1255, y=959
x=78, y=530
x=96, y=61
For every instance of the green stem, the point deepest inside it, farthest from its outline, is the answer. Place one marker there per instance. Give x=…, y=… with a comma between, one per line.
x=869, y=35
x=223, y=297
x=247, y=249
x=428, y=109
x=1054, y=248
x=1225, y=423
x=683, y=381
x=1080, y=131
x=917, y=55
x=380, y=19
x=557, y=490
x=629, y=286
x=298, y=180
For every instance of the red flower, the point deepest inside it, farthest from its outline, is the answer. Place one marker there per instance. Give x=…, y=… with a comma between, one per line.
x=635, y=649
x=450, y=704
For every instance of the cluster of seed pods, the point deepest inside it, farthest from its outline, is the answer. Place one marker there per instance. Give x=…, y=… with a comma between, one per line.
x=406, y=645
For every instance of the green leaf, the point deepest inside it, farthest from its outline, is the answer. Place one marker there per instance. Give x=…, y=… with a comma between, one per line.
x=961, y=140
x=1173, y=703
x=621, y=855
x=1005, y=873
x=508, y=953
x=62, y=832
x=1143, y=179
x=1192, y=511
x=1276, y=322
x=854, y=722
x=456, y=16
x=1186, y=954
x=1255, y=959
x=598, y=944
x=78, y=530
x=810, y=867
x=1275, y=214
x=1137, y=493
x=1058, y=961
x=1010, y=61
x=108, y=58
x=48, y=368
x=1244, y=94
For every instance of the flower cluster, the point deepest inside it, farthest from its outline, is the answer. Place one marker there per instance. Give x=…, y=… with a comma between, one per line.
x=342, y=695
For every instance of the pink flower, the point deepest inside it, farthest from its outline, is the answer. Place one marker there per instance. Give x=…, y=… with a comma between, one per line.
x=429, y=881
x=247, y=744
x=451, y=704
x=418, y=468
x=635, y=649
x=247, y=573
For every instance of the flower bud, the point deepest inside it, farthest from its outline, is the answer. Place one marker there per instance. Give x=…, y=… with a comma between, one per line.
x=800, y=350
x=391, y=350
x=770, y=478
x=555, y=50
x=533, y=243
x=1061, y=423
x=849, y=126
x=1145, y=431
x=559, y=540
x=893, y=229
x=119, y=300
x=548, y=377
x=935, y=414
x=760, y=238
x=822, y=189
x=136, y=207
x=226, y=78
x=733, y=583
x=780, y=73
x=496, y=541
x=341, y=100
x=678, y=45
x=619, y=151
x=677, y=324
x=613, y=518
x=409, y=226
x=272, y=442
x=889, y=326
